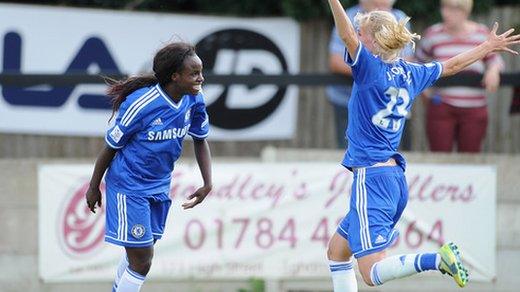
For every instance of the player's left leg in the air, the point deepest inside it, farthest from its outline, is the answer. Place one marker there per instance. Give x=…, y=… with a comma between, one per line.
x=377, y=270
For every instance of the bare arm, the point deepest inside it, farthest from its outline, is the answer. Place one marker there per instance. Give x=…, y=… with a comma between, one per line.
x=203, y=156
x=337, y=65
x=93, y=194
x=346, y=30
x=491, y=78
x=494, y=43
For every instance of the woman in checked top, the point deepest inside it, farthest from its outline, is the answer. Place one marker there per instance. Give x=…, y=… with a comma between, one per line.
x=385, y=87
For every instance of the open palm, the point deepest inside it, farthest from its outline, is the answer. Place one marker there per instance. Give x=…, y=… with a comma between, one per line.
x=504, y=41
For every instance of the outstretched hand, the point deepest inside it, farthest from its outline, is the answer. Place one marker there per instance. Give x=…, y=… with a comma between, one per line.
x=196, y=198
x=503, y=41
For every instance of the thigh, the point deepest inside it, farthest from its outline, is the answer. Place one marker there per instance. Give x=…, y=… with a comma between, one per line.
x=128, y=220
x=402, y=190
x=338, y=249
x=472, y=129
x=378, y=196
x=440, y=127
x=349, y=227
x=159, y=206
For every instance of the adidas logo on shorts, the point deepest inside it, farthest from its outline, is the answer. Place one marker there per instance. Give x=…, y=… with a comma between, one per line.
x=380, y=239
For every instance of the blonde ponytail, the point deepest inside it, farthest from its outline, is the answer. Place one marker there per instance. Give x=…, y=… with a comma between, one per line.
x=391, y=37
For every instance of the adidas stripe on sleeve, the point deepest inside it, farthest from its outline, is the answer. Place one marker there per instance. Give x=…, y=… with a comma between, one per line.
x=128, y=118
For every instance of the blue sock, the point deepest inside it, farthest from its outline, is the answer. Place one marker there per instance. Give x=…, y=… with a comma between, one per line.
x=426, y=262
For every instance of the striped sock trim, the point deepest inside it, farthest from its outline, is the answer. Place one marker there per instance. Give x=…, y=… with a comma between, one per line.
x=340, y=266
x=134, y=277
x=374, y=276
x=416, y=263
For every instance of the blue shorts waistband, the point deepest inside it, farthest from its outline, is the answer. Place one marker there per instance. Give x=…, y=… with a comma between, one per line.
x=377, y=170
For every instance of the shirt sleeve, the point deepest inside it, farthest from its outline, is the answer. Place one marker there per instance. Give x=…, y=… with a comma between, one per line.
x=199, y=128
x=127, y=123
x=364, y=65
x=425, y=75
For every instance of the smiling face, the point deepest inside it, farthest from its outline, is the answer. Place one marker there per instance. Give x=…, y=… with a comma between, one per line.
x=189, y=80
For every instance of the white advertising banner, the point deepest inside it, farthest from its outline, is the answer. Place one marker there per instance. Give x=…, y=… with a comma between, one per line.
x=264, y=220
x=57, y=40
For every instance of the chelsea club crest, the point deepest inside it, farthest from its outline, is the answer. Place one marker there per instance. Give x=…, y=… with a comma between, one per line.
x=138, y=231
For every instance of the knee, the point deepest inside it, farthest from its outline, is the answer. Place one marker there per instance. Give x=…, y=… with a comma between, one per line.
x=141, y=264
x=338, y=253
x=366, y=273
x=365, y=270
x=366, y=278
x=330, y=254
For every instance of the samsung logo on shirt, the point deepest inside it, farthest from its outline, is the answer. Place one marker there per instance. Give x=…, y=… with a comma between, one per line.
x=168, y=134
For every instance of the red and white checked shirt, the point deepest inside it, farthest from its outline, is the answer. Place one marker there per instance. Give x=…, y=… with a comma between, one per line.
x=437, y=44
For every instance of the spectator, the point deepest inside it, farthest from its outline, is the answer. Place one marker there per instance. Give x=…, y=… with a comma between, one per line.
x=458, y=115
x=338, y=94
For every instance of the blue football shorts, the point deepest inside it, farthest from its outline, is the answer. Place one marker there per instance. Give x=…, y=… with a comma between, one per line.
x=379, y=196
x=135, y=220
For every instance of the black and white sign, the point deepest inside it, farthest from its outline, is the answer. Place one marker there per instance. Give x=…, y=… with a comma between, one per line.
x=35, y=40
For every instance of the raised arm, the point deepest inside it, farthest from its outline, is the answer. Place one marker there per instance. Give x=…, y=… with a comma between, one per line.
x=494, y=43
x=346, y=30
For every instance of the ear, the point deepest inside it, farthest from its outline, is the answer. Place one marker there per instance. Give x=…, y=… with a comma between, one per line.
x=175, y=77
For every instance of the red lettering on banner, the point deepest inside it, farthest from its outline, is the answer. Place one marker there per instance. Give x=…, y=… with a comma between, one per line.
x=255, y=193
x=265, y=233
x=339, y=186
x=244, y=223
x=426, y=190
x=467, y=195
x=200, y=235
x=414, y=237
x=321, y=232
x=227, y=189
x=264, y=236
x=81, y=232
x=301, y=193
x=244, y=187
x=438, y=193
x=275, y=192
x=288, y=233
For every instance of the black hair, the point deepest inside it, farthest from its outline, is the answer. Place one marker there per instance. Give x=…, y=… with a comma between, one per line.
x=167, y=61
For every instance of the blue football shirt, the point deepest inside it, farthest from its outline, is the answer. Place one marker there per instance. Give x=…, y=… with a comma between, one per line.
x=148, y=132
x=338, y=94
x=381, y=97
